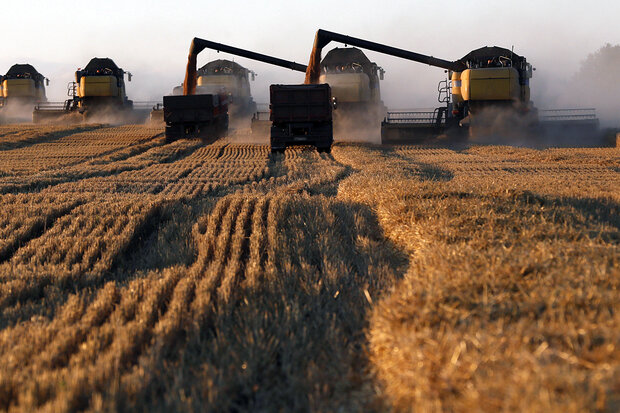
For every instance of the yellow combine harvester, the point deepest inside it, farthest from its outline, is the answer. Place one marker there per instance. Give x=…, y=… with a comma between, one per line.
x=485, y=89
x=98, y=89
x=21, y=88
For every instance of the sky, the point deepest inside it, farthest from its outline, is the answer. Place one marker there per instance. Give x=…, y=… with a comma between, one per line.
x=151, y=38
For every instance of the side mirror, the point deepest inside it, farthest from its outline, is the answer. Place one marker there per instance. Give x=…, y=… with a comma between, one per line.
x=253, y=75
x=334, y=102
x=129, y=76
x=47, y=82
x=381, y=73
x=529, y=70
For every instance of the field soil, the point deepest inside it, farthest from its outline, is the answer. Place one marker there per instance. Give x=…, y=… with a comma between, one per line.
x=137, y=275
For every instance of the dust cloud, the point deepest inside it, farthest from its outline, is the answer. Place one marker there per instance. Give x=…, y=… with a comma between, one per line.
x=597, y=85
x=113, y=116
x=116, y=117
x=247, y=136
x=507, y=126
x=16, y=112
x=358, y=126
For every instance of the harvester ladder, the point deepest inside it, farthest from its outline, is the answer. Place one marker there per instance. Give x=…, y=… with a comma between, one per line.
x=445, y=91
x=72, y=89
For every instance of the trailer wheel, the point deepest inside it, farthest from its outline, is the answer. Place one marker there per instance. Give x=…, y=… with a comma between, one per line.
x=173, y=132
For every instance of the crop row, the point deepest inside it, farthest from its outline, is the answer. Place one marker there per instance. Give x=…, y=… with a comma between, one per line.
x=76, y=251
x=72, y=149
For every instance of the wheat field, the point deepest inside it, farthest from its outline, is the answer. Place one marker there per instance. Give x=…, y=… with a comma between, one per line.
x=143, y=276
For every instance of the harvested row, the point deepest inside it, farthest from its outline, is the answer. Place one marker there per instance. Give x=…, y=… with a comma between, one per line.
x=290, y=331
x=565, y=171
x=76, y=252
x=140, y=325
x=90, y=348
x=496, y=155
x=12, y=136
x=232, y=251
x=255, y=288
x=299, y=170
x=197, y=169
x=232, y=165
x=72, y=149
x=75, y=178
x=26, y=217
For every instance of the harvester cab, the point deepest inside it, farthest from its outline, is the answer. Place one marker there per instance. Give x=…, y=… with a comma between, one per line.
x=22, y=85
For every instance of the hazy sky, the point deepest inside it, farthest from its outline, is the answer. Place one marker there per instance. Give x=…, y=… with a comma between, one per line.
x=151, y=38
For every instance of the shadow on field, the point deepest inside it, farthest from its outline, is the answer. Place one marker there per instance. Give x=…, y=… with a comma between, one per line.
x=422, y=170
x=429, y=172
x=583, y=213
x=43, y=137
x=296, y=339
x=162, y=241
x=500, y=259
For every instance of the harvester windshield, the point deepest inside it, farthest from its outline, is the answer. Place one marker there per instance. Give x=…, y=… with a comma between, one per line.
x=346, y=60
x=222, y=67
x=489, y=57
x=25, y=71
x=224, y=76
x=101, y=67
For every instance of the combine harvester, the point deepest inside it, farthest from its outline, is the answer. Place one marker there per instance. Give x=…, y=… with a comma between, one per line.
x=300, y=114
x=226, y=76
x=21, y=88
x=98, y=91
x=222, y=77
x=484, y=84
x=354, y=80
